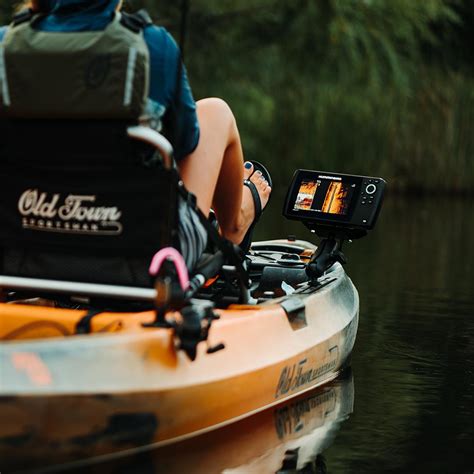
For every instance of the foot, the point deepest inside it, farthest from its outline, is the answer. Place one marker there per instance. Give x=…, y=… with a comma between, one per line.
x=247, y=212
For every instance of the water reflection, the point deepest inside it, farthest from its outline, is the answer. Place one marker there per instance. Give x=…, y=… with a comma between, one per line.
x=413, y=360
x=287, y=438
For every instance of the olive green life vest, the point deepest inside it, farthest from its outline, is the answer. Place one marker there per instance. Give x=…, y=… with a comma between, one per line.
x=74, y=75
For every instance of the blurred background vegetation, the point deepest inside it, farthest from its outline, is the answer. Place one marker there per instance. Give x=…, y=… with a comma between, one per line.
x=379, y=87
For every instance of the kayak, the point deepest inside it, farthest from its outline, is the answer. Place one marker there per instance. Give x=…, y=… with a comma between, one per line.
x=125, y=385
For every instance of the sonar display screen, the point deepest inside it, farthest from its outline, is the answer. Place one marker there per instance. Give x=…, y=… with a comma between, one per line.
x=329, y=196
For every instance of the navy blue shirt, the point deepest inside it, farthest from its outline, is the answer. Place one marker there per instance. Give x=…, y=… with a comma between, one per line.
x=176, y=112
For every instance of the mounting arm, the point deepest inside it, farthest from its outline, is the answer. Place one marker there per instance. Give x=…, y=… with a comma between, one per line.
x=330, y=248
x=328, y=253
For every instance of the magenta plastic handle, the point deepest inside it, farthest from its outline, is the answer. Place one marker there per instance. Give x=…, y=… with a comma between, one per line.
x=177, y=259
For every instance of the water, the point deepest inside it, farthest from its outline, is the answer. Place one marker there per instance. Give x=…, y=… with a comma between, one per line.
x=413, y=362
x=414, y=357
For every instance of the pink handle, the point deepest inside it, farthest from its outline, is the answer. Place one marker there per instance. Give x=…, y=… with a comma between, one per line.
x=177, y=259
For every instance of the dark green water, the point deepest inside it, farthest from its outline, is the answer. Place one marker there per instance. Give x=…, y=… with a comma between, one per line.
x=414, y=357
x=413, y=365
x=413, y=362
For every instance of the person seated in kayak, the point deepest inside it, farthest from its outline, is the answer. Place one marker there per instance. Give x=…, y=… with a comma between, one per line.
x=207, y=149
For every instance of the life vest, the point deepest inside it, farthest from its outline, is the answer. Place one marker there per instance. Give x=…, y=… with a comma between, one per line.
x=75, y=75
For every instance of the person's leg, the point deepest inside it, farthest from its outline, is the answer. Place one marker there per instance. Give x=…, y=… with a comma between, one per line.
x=214, y=172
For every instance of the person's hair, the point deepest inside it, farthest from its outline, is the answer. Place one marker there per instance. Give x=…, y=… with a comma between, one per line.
x=27, y=4
x=35, y=4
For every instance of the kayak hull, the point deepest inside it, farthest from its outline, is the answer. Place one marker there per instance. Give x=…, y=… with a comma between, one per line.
x=129, y=389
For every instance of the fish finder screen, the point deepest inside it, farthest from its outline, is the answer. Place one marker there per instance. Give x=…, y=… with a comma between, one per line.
x=324, y=200
x=326, y=195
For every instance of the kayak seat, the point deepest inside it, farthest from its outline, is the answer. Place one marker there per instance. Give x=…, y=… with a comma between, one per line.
x=83, y=201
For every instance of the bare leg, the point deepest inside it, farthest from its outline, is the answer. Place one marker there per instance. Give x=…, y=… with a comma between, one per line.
x=214, y=172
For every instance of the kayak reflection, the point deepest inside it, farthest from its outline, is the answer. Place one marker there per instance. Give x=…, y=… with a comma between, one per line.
x=287, y=438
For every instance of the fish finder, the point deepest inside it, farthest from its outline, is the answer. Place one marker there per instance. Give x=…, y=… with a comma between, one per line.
x=334, y=206
x=341, y=204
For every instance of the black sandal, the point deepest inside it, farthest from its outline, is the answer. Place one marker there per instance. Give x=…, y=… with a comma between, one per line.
x=247, y=240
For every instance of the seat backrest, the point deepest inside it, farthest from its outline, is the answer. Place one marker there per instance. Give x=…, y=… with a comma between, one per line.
x=79, y=199
x=82, y=201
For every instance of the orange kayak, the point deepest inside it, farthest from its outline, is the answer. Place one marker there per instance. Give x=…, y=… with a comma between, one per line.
x=125, y=387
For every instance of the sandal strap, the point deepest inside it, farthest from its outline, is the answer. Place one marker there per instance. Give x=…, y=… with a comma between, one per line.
x=256, y=198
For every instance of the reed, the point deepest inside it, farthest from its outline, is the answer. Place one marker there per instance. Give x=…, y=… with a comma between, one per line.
x=363, y=87
x=371, y=87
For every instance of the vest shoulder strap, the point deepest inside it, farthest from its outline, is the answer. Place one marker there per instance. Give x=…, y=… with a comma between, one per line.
x=26, y=16
x=23, y=17
x=136, y=22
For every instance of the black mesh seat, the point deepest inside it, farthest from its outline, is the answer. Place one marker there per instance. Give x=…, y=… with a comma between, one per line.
x=82, y=201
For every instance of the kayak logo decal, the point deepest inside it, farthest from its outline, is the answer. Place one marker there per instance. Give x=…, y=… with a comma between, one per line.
x=295, y=377
x=73, y=215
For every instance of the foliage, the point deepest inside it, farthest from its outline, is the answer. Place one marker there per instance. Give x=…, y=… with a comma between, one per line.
x=363, y=86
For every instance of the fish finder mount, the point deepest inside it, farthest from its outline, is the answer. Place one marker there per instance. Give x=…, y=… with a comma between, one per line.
x=329, y=250
x=336, y=207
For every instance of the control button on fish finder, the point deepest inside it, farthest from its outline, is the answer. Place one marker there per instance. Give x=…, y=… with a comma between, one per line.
x=370, y=189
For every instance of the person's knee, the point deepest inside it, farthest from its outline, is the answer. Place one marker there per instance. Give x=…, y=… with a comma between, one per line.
x=214, y=104
x=213, y=108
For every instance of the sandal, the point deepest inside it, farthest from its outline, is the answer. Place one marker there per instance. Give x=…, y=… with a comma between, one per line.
x=247, y=240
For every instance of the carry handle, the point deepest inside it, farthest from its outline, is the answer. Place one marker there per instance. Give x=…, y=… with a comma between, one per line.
x=9, y=283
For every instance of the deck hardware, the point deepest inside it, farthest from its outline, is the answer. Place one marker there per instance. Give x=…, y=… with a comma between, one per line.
x=170, y=295
x=84, y=326
x=216, y=348
x=194, y=328
x=329, y=249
